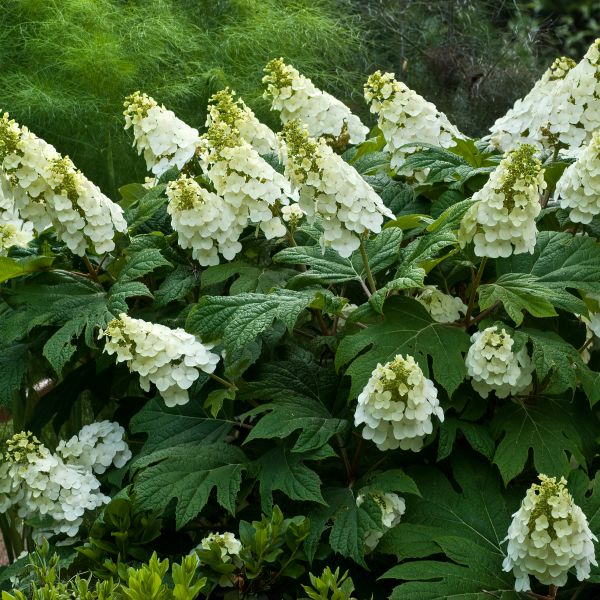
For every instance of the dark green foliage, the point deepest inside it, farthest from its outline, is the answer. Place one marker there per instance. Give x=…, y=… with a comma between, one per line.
x=472, y=58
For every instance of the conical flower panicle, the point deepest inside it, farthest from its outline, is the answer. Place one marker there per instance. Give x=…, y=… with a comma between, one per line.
x=331, y=189
x=252, y=189
x=171, y=359
x=164, y=140
x=14, y=231
x=579, y=187
x=493, y=365
x=397, y=405
x=501, y=221
x=405, y=118
x=97, y=446
x=225, y=107
x=203, y=221
x=45, y=189
x=62, y=486
x=562, y=110
x=392, y=508
x=575, y=112
x=548, y=536
x=443, y=308
x=296, y=98
x=527, y=121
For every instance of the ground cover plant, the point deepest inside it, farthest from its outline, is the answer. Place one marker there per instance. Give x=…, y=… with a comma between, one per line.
x=333, y=361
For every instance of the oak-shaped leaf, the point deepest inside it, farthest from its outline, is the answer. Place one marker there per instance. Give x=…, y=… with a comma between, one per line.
x=406, y=328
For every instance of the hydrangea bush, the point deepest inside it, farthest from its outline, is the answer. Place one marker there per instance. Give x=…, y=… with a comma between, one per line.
x=291, y=355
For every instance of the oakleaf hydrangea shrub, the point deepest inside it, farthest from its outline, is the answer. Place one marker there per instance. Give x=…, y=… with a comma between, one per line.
x=288, y=355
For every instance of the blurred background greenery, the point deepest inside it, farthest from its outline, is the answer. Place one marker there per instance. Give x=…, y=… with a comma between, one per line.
x=67, y=64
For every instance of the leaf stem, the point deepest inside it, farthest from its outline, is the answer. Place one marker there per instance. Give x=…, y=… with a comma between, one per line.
x=5, y=532
x=321, y=321
x=578, y=591
x=356, y=460
x=365, y=259
x=484, y=313
x=344, y=455
x=290, y=237
x=222, y=381
x=365, y=288
x=587, y=343
x=474, y=287
x=90, y=268
x=552, y=591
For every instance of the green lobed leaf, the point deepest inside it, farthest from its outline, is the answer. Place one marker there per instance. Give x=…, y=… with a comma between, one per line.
x=393, y=480
x=17, y=267
x=301, y=393
x=474, y=574
x=280, y=469
x=520, y=292
x=326, y=266
x=71, y=302
x=477, y=435
x=141, y=263
x=557, y=363
x=549, y=429
x=407, y=328
x=145, y=206
x=351, y=525
x=13, y=368
x=349, y=533
x=251, y=277
x=560, y=261
x=442, y=165
x=177, y=425
x=467, y=521
x=187, y=473
x=238, y=320
x=175, y=286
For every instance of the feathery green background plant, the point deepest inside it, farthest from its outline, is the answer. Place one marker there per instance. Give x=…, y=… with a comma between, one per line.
x=68, y=64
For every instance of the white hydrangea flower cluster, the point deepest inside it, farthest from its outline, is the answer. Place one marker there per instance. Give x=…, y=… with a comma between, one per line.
x=565, y=108
x=397, y=405
x=295, y=97
x=97, y=446
x=292, y=214
x=593, y=322
x=579, y=187
x=41, y=484
x=493, y=366
x=576, y=112
x=548, y=536
x=248, y=184
x=502, y=219
x=392, y=508
x=202, y=221
x=332, y=189
x=13, y=230
x=404, y=117
x=526, y=122
x=225, y=107
x=164, y=139
x=592, y=325
x=345, y=313
x=47, y=190
x=443, y=308
x=171, y=359
x=230, y=546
